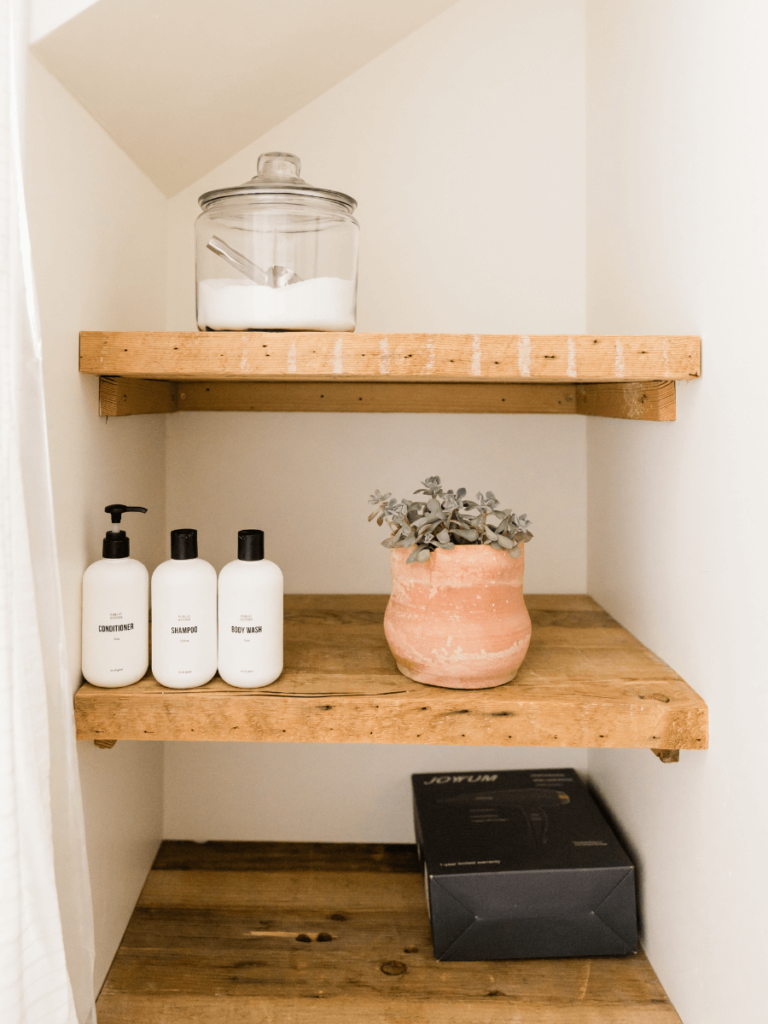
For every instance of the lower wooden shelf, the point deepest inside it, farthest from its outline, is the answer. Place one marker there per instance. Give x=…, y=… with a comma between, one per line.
x=335, y=934
x=586, y=682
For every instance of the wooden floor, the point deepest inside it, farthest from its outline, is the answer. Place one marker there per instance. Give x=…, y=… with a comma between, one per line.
x=268, y=933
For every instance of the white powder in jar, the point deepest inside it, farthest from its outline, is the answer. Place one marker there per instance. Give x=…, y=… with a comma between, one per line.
x=319, y=304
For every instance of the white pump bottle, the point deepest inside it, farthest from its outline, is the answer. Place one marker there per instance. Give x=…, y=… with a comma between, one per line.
x=250, y=615
x=184, y=616
x=116, y=611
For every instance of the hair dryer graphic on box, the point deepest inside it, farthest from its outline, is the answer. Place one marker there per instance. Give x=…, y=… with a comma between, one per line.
x=511, y=807
x=193, y=633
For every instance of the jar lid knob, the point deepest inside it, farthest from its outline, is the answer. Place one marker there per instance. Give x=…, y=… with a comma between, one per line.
x=284, y=167
x=277, y=175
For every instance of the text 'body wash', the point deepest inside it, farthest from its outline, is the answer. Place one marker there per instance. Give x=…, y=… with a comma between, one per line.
x=250, y=615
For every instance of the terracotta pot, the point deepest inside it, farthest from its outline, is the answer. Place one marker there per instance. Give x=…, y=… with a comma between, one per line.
x=458, y=619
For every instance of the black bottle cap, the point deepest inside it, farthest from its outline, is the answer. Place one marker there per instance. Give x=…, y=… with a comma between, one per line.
x=250, y=545
x=116, y=545
x=183, y=544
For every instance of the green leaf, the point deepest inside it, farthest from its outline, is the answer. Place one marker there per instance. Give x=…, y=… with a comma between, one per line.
x=468, y=535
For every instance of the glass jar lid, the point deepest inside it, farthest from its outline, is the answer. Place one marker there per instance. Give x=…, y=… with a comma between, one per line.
x=277, y=174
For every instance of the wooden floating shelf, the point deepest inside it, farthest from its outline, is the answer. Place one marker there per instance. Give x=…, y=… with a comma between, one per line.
x=629, y=377
x=586, y=682
x=335, y=934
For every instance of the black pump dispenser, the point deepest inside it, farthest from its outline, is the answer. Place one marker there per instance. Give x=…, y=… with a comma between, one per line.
x=183, y=544
x=250, y=545
x=116, y=543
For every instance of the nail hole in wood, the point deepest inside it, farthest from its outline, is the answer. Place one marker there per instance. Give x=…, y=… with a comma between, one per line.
x=393, y=967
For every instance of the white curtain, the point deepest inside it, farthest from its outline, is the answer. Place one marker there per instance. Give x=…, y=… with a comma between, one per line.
x=46, y=940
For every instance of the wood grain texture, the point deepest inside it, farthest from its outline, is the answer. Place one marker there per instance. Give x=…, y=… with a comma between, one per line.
x=586, y=682
x=131, y=396
x=297, y=356
x=217, y=855
x=649, y=401
x=332, y=396
x=339, y=947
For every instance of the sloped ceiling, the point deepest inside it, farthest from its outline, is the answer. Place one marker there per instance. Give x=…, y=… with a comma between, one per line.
x=182, y=85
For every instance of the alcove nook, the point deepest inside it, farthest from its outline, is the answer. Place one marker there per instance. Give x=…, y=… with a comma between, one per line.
x=520, y=175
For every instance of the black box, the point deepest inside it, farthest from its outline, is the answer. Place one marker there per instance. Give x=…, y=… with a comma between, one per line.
x=521, y=864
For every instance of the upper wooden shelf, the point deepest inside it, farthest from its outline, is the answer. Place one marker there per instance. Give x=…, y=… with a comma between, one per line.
x=586, y=682
x=627, y=376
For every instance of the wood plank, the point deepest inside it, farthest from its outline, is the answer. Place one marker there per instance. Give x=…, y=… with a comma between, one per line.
x=117, y=1008
x=654, y=400
x=178, y=855
x=586, y=682
x=297, y=356
x=277, y=396
x=132, y=396
x=336, y=947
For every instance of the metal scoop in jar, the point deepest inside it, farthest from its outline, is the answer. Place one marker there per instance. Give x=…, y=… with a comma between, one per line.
x=275, y=277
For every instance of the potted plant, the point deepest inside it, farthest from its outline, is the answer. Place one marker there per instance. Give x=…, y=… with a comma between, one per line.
x=456, y=616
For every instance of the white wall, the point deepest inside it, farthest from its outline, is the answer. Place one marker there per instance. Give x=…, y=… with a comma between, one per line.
x=322, y=792
x=464, y=145
x=46, y=15
x=678, y=243
x=98, y=237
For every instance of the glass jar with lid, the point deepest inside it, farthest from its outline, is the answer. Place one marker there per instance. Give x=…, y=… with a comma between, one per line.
x=276, y=254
